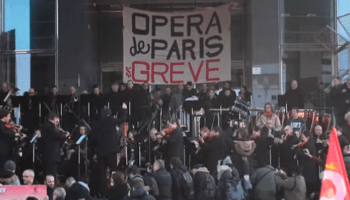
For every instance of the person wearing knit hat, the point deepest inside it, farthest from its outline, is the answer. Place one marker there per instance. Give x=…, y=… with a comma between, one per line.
x=8, y=176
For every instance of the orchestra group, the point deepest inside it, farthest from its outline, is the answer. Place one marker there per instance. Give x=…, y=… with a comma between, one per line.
x=131, y=143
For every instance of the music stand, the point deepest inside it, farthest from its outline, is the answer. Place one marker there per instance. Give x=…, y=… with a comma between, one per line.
x=281, y=100
x=37, y=101
x=33, y=141
x=80, y=140
x=17, y=101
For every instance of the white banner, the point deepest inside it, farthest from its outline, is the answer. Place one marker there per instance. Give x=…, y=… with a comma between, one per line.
x=173, y=48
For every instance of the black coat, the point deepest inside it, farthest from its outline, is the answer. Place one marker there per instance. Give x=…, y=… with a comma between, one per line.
x=105, y=137
x=200, y=184
x=335, y=98
x=310, y=171
x=175, y=145
x=176, y=184
x=140, y=194
x=52, y=139
x=115, y=100
x=164, y=183
x=6, y=143
x=295, y=98
x=288, y=160
x=213, y=152
x=77, y=191
x=118, y=192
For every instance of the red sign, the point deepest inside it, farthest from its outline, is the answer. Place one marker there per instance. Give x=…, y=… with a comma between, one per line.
x=22, y=192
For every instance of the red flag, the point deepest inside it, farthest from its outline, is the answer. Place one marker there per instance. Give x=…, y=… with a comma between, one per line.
x=335, y=183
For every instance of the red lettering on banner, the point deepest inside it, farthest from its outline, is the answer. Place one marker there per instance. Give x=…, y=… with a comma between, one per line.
x=161, y=74
x=172, y=72
x=142, y=72
x=195, y=76
x=208, y=70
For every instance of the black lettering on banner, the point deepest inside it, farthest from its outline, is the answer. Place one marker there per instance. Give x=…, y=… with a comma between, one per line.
x=188, y=48
x=135, y=29
x=137, y=48
x=174, y=48
x=201, y=47
x=212, y=24
x=156, y=22
x=190, y=23
x=174, y=24
x=155, y=47
x=213, y=46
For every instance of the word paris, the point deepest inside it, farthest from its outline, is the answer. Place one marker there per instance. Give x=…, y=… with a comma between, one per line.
x=172, y=48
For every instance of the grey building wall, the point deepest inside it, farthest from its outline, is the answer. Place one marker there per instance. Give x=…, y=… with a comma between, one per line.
x=78, y=46
x=264, y=51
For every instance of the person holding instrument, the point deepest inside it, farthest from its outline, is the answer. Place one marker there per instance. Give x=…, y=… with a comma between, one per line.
x=6, y=137
x=174, y=142
x=52, y=137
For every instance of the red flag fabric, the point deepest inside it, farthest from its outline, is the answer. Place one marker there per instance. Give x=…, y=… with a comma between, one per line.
x=335, y=183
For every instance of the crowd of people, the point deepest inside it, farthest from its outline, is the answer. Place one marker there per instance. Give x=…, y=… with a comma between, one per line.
x=125, y=155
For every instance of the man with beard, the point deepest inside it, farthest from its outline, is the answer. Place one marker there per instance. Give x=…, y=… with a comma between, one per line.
x=294, y=96
x=227, y=100
x=52, y=138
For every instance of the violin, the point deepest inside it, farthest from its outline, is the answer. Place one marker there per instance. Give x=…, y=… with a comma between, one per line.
x=12, y=127
x=167, y=131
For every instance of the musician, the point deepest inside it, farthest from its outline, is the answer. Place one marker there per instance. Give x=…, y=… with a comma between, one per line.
x=105, y=139
x=213, y=150
x=134, y=98
x=166, y=103
x=345, y=99
x=189, y=91
x=176, y=98
x=203, y=94
x=297, y=123
x=6, y=137
x=30, y=110
x=3, y=93
x=294, y=96
x=227, y=86
x=335, y=100
x=52, y=138
x=115, y=100
x=227, y=101
x=211, y=101
x=97, y=104
x=71, y=110
x=310, y=168
x=52, y=99
x=269, y=115
x=174, y=143
x=288, y=158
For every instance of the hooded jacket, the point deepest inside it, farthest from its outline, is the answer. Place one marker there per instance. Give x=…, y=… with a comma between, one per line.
x=140, y=194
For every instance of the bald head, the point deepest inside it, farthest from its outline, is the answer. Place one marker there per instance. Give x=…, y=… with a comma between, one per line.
x=28, y=177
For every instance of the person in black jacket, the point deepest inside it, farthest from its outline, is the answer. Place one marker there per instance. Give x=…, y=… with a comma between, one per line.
x=335, y=100
x=52, y=139
x=115, y=100
x=294, y=96
x=6, y=137
x=175, y=144
x=105, y=139
x=163, y=179
x=204, y=183
x=177, y=171
x=76, y=190
x=288, y=158
x=213, y=150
